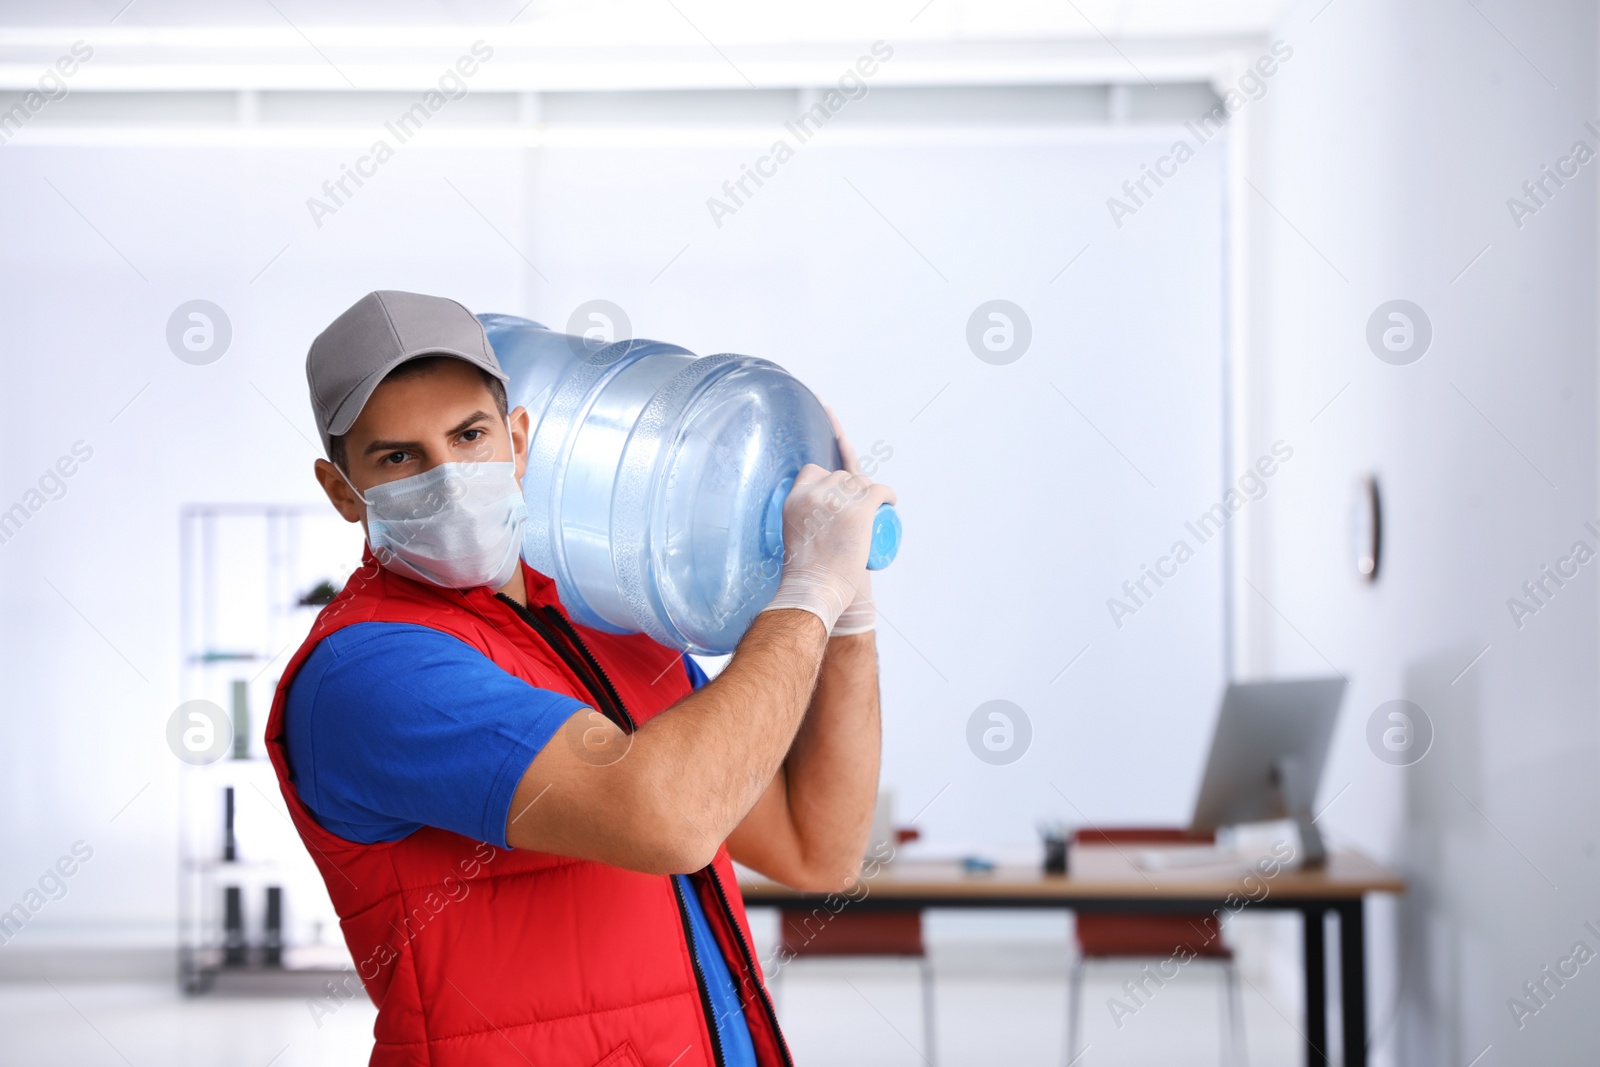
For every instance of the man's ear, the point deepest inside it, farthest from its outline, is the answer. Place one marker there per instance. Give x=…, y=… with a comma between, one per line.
x=519, y=440
x=340, y=495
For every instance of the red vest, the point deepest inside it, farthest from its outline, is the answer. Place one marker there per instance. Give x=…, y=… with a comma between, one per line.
x=479, y=956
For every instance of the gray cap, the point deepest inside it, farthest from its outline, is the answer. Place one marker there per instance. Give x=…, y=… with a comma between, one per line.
x=378, y=333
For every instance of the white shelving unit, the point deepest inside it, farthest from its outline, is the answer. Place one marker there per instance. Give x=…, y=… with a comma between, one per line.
x=247, y=570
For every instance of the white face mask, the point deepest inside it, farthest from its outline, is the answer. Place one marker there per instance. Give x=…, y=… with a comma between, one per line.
x=458, y=525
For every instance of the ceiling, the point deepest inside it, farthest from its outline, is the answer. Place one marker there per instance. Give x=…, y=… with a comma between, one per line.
x=632, y=44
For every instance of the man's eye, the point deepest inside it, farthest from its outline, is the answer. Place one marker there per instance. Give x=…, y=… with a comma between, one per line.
x=472, y=435
x=394, y=459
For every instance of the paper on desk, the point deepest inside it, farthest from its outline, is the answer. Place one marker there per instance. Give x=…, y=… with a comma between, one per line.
x=1238, y=848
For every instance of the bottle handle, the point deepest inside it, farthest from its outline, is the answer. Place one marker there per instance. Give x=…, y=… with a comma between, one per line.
x=886, y=529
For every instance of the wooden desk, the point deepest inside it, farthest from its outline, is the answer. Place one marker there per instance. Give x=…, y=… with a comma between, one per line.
x=1105, y=879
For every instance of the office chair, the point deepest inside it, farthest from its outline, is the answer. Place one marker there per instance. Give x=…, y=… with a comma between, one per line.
x=1110, y=936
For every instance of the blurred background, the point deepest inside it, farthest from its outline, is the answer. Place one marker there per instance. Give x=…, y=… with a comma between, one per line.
x=1190, y=225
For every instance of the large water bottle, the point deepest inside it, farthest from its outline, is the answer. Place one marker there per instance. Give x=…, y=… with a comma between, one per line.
x=656, y=479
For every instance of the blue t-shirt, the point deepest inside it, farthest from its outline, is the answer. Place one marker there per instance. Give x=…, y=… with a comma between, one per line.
x=392, y=727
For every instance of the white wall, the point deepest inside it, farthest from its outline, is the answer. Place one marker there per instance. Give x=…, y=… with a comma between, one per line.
x=1380, y=161
x=1390, y=147
x=1022, y=519
x=1023, y=514
x=89, y=586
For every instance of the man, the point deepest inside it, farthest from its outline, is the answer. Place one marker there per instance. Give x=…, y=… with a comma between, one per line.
x=524, y=824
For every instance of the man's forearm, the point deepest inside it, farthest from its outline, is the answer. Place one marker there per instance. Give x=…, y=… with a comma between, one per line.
x=718, y=749
x=831, y=775
x=809, y=830
x=687, y=777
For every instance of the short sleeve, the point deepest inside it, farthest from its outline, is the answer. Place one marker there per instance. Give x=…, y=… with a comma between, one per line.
x=393, y=727
x=697, y=675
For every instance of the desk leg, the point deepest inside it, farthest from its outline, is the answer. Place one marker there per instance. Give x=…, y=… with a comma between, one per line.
x=1316, y=988
x=1353, y=983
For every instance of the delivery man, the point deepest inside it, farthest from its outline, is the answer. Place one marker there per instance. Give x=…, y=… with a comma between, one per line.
x=525, y=824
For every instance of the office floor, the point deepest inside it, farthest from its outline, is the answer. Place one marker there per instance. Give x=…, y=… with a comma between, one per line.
x=862, y=1012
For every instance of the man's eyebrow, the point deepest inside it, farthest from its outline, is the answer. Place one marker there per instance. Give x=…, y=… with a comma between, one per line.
x=466, y=423
x=402, y=446
x=390, y=446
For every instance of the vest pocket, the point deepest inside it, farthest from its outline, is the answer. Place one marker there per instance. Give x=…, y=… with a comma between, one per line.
x=621, y=1056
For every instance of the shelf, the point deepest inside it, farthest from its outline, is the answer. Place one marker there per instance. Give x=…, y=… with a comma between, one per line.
x=244, y=867
x=245, y=568
x=277, y=982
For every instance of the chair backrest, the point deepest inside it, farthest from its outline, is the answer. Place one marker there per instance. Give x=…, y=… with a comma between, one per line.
x=1140, y=835
x=822, y=932
x=1147, y=935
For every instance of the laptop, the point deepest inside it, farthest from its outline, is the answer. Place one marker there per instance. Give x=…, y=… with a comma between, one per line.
x=1266, y=761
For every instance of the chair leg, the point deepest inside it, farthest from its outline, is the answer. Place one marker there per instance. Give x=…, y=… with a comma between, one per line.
x=929, y=1020
x=1233, y=1011
x=1074, y=1004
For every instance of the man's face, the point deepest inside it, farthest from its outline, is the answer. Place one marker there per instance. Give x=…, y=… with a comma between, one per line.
x=412, y=424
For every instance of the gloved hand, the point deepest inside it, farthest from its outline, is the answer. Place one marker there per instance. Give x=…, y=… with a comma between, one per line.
x=827, y=533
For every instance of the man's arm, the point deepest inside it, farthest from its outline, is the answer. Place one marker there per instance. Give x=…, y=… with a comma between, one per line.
x=809, y=829
x=664, y=799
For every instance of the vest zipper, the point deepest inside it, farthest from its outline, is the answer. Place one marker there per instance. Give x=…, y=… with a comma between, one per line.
x=603, y=693
x=565, y=627
x=699, y=973
x=599, y=684
x=750, y=962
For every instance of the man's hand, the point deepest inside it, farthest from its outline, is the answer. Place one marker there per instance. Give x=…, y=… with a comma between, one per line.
x=827, y=536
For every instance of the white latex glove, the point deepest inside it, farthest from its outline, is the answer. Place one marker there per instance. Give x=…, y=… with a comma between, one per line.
x=827, y=534
x=862, y=615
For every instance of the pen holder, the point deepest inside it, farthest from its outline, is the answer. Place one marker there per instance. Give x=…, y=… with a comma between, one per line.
x=1055, y=836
